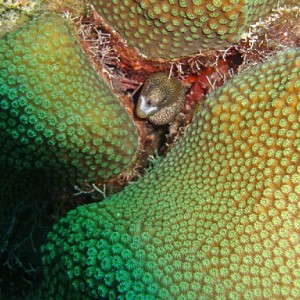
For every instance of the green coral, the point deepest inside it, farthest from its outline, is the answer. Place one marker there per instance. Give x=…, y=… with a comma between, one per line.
x=14, y=13
x=56, y=113
x=217, y=219
x=170, y=29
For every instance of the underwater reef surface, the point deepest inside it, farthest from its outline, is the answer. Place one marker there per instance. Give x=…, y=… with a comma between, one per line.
x=59, y=120
x=170, y=29
x=218, y=218
x=56, y=112
x=57, y=115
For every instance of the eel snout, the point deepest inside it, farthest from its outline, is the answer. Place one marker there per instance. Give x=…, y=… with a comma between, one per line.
x=145, y=108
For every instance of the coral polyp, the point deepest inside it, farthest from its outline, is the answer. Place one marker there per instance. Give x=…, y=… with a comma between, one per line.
x=56, y=112
x=171, y=29
x=218, y=218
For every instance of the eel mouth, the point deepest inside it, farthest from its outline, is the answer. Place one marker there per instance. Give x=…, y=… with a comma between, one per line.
x=143, y=109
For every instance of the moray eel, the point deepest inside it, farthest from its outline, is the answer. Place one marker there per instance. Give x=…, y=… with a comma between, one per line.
x=219, y=218
x=161, y=99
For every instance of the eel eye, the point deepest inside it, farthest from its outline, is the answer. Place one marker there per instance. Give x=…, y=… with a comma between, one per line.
x=150, y=86
x=164, y=100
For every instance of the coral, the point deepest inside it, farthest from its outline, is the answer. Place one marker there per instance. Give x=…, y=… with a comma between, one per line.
x=217, y=219
x=161, y=98
x=171, y=29
x=56, y=112
x=277, y=32
x=14, y=13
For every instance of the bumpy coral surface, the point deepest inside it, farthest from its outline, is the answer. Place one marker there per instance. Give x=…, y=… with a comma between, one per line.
x=13, y=13
x=55, y=111
x=170, y=29
x=218, y=219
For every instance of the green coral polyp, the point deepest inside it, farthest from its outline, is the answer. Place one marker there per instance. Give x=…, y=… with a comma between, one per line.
x=154, y=17
x=219, y=217
x=53, y=105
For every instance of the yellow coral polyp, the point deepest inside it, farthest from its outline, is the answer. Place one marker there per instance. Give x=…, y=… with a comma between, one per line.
x=218, y=218
x=187, y=26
